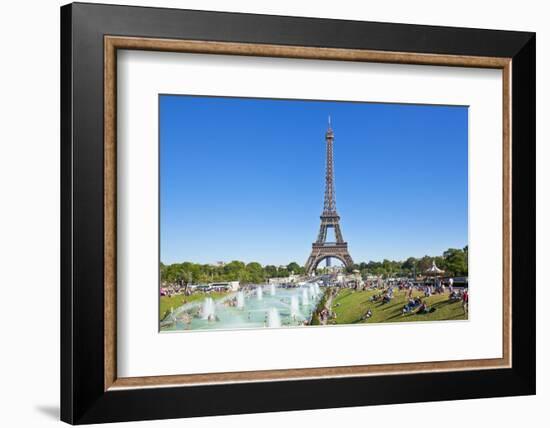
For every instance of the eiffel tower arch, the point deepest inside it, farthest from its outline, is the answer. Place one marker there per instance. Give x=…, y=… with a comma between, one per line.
x=321, y=249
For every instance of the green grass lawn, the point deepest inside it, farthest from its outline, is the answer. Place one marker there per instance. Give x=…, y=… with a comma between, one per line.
x=350, y=306
x=166, y=303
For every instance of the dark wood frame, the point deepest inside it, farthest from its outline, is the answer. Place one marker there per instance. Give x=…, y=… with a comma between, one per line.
x=90, y=35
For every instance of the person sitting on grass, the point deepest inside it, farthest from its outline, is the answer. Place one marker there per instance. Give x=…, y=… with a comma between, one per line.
x=410, y=306
x=424, y=309
x=367, y=315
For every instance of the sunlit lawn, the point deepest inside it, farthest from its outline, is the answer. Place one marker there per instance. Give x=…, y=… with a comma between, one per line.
x=166, y=303
x=350, y=306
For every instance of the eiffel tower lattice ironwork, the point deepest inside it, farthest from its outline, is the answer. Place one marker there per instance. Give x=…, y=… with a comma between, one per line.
x=321, y=249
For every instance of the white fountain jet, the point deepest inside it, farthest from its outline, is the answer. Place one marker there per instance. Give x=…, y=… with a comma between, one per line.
x=259, y=293
x=240, y=300
x=312, y=293
x=273, y=318
x=294, y=306
x=316, y=286
x=208, y=309
x=305, y=297
x=272, y=289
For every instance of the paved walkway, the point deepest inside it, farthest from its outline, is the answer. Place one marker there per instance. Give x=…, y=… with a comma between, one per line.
x=328, y=305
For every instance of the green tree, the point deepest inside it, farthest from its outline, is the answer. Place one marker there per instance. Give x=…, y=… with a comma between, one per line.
x=235, y=271
x=254, y=273
x=294, y=267
x=409, y=264
x=424, y=264
x=270, y=271
x=456, y=261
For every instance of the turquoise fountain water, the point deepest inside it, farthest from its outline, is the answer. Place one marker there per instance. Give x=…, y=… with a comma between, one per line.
x=273, y=307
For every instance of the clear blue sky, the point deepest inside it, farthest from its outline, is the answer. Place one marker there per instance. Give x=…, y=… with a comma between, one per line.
x=243, y=179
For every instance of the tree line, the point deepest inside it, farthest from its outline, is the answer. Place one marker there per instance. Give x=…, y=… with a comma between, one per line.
x=453, y=261
x=247, y=273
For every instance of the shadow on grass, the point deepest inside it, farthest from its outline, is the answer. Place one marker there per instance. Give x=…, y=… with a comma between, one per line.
x=399, y=315
x=446, y=302
x=338, y=298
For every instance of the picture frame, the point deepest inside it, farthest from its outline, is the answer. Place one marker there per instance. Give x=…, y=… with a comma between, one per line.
x=91, y=391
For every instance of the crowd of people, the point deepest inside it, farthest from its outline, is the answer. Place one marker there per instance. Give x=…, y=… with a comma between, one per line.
x=416, y=304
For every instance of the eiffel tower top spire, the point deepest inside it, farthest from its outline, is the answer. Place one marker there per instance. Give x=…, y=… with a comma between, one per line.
x=329, y=208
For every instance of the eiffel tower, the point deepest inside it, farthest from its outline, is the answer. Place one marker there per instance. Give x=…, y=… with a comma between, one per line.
x=321, y=249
